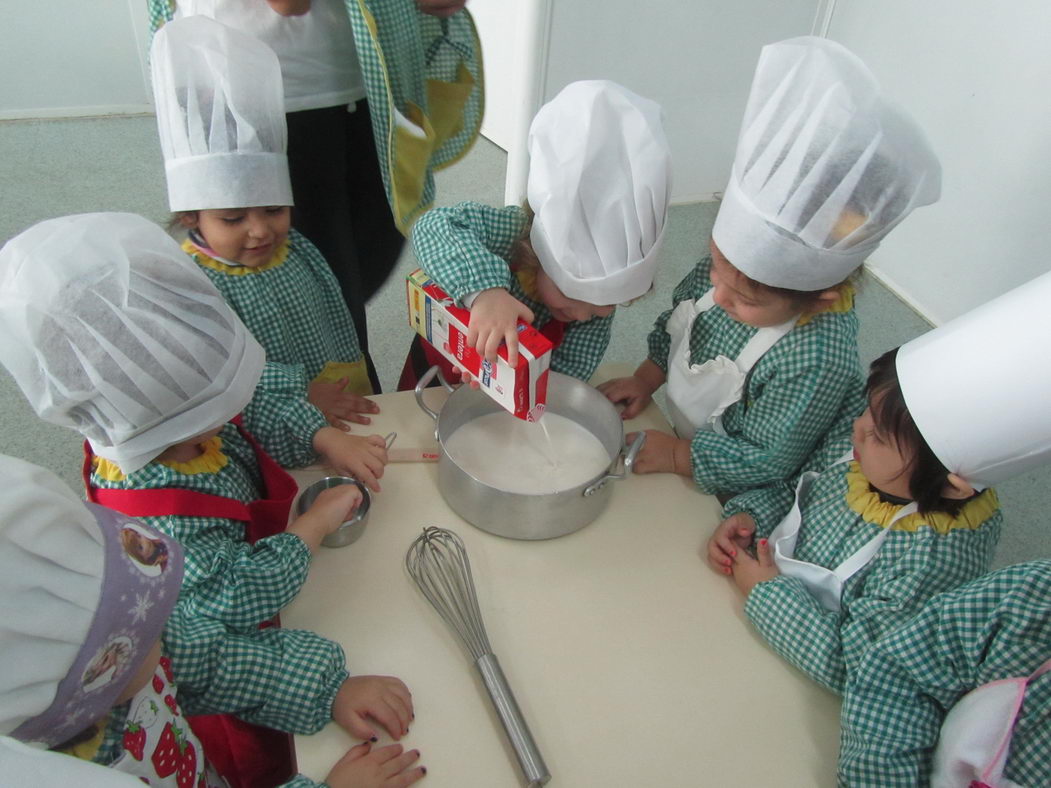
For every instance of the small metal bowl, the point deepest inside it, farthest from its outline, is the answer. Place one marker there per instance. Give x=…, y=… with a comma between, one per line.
x=350, y=530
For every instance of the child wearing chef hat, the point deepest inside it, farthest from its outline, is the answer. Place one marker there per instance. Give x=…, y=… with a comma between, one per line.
x=589, y=239
x=112, y=330
x=220, y=113
x=85, y=639
x=961, y=694
x=909, y=512
x=759, y=352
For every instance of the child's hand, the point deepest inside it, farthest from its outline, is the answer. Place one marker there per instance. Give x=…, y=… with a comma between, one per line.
x=383, y=698
x=494, y=319
x=384, y=767
x=329, y=510
x=663, y=453
x=633, y=392
x=732, y=536
x=636, y=391
x=339, y=406
x=362, y=457
x=749, y=572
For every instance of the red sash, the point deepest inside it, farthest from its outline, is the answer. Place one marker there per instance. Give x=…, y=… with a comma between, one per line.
x=248, y=756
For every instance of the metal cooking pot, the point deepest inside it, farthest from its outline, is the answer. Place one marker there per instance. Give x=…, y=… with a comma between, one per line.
x=518, y=515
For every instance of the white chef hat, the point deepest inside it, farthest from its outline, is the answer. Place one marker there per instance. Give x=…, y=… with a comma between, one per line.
x=111, y=329
x=825, y=168
x=599, y=185
x=85, y=592
x=220, y=113
x=977, y=392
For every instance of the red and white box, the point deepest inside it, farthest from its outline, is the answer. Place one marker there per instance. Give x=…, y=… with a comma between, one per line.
x=522, y=389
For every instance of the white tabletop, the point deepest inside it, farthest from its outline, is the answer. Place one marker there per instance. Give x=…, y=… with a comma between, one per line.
x=632, y=662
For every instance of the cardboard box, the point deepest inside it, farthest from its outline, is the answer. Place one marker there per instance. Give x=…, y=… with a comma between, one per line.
x=522, y=389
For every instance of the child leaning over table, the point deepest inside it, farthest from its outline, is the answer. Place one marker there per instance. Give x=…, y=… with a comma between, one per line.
x=222, y=127
x=599, y=184
x=112, y=330
x=84, y=651
x=866, y=537
x=961, y=694
x=759, y=351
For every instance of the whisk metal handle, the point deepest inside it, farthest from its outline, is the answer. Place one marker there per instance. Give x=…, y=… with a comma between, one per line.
x=529, y=759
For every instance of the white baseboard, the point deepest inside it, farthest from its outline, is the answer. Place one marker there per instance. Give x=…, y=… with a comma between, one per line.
x=889, y=283
x=53, y=113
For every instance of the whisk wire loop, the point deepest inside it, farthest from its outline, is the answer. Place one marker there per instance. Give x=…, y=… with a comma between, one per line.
x=437, y=561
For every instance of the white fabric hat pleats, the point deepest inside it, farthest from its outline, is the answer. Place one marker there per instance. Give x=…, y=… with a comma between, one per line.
x=825, y=167
x=112, y=330
x=599, y=186
x=220, y=114
x=977, y=391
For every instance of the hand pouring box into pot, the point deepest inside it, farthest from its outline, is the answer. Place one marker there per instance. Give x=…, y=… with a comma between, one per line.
x=521, y=390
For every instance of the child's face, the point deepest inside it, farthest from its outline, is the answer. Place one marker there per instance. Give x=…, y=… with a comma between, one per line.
x=884, y=463
x=248, y=236
x=743, y=301
x=567, y=310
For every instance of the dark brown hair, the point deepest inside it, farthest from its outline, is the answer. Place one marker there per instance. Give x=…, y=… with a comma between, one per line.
x=927, y=476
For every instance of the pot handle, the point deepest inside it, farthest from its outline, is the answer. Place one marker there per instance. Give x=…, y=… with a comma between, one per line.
x=426, y=378
x=629, y=463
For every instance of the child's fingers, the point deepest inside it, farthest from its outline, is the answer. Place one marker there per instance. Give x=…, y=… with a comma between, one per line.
x=399, y=764
x=338, y=422
x=386, y=716
x=717, y=559
x=511, y=338
x=764, y=553
x=357, y=727
x=407, y=777
x=356, y=418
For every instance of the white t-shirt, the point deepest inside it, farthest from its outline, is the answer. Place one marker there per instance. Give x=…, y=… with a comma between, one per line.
x=319, y=65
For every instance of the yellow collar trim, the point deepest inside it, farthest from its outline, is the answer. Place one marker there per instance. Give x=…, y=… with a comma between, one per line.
x=210, y=460
x=867, y=503
x=280, y=255
x=844, y=303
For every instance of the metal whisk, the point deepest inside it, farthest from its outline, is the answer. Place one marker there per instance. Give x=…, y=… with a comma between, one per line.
x=437, y=561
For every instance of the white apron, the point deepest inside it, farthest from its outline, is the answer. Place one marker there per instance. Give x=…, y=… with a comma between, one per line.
x=826, y=585
x=697, y=394
x=976, y=735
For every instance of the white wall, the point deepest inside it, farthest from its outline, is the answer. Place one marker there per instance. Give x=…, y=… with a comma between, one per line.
x=977, y=77
x=694, y=58
x=64, y=58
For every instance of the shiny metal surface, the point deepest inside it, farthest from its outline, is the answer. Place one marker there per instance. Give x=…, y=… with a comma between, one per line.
x=437, y=561
x=350, y=530
x=518, y=515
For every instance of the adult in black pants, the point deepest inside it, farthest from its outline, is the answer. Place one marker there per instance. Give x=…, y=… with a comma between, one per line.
x=341, y=204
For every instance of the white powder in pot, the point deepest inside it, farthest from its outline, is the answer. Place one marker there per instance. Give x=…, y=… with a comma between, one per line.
x=529, y=458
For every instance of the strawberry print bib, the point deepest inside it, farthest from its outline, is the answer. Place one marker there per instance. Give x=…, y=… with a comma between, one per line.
x=159, y=747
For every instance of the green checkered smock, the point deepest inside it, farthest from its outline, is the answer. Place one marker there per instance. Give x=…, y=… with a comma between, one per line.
x=805, y=386
x=996, y=627
x=466, y=247
x=281, y=678
x=916, y=562
x=294, y=309
x=425, y=88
